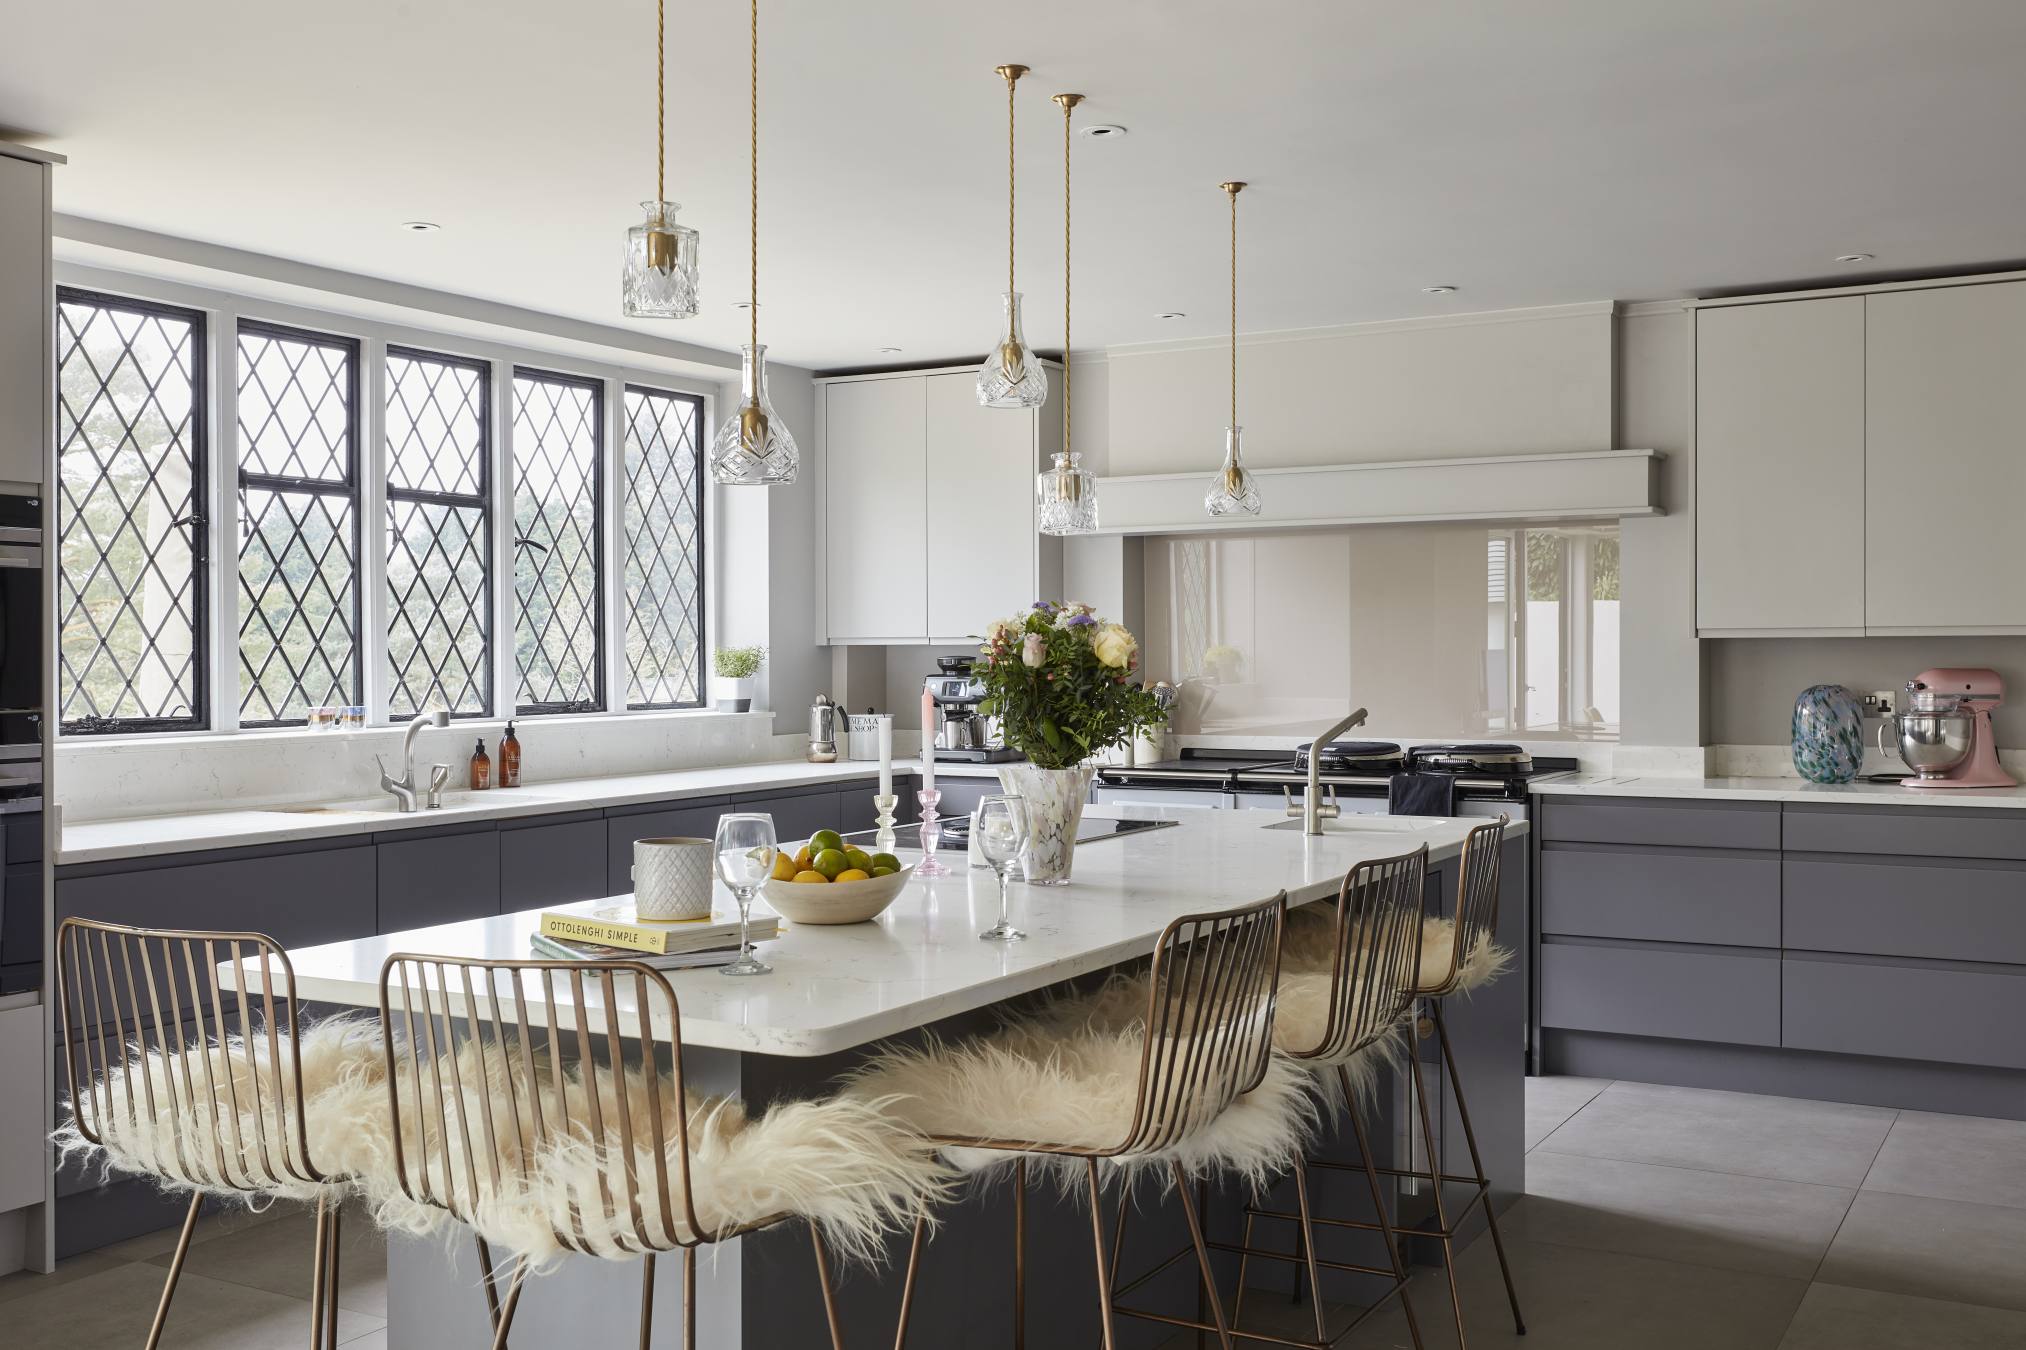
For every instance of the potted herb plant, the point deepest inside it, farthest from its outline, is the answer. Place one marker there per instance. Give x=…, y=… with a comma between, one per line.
x=1064, y=685
x=735, y=667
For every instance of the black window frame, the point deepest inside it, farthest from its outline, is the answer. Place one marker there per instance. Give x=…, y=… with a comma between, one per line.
x=696, y=402
x=483, y=501
x=266, y=482
x=199, y=520
x=600, y=699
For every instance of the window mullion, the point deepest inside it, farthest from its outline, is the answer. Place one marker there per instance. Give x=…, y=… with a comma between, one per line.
x=612, y=547
x=371, y=468
x=225, y=522
x=506, y=674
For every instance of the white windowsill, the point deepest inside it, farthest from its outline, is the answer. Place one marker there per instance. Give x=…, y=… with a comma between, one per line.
x=285, y=736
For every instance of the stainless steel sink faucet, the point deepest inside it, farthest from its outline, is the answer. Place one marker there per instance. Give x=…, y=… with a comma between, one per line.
x=403, y=787
x=1313, y=812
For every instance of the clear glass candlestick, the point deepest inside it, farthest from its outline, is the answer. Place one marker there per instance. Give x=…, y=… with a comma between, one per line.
x=999, y=828
x=932, y=834
x=884, y=804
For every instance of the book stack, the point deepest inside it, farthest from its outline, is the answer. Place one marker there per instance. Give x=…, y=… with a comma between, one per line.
x=614, y=934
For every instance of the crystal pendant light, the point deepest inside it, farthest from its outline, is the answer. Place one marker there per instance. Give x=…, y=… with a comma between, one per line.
x=1065, y=496
x=1010, y=376
x=1232, y=492
x=660, y=278
x=753, y=447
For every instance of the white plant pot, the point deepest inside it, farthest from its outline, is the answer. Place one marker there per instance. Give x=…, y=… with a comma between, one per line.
x=1054, y=799
x=732, y=695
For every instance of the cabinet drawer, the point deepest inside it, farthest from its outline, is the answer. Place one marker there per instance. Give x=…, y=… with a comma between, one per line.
x=1965, y=912
x=1681, y=993
x=687, y=822
x=1672, y=824
x=797, y=815
x=1956, y=1015
x=1978, y=832
x=1728, y=899
x=551, y=864
x=440, y=878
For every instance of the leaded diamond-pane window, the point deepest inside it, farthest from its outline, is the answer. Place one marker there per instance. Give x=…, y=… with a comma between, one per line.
x=298, y=523
x=558, y=634
x=129, y=514
x=439, y=581
x=664, y=549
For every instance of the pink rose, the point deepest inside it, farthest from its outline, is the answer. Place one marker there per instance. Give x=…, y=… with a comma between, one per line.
x=1034, y=651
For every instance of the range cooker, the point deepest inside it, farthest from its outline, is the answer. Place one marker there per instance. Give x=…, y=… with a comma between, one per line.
x=1491, y=777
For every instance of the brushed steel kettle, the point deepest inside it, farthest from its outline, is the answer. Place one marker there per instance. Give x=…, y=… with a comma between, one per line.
x=823, y=731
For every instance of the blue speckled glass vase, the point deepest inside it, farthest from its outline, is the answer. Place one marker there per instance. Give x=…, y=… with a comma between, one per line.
x=1828, y=734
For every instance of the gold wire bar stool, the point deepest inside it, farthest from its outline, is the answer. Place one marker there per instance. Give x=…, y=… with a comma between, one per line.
x=1207, y=1042
x=1343, y=1017
x=1472, y=946
x=485, y=1100
x=213, y=1111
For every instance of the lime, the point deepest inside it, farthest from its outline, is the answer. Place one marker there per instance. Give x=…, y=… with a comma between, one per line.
x=882, y=870
x=830, y=862
x=858, y=858
x=825, y=839
x=852, y=874
x=886, y=860
x=812, y=876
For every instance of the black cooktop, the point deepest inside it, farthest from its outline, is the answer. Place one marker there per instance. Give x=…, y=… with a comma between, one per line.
x=956, y=835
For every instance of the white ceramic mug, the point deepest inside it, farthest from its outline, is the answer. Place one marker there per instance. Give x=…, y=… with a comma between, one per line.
x=672, y=879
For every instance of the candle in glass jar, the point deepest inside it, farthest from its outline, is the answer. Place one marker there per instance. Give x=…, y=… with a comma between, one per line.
x=928, y=741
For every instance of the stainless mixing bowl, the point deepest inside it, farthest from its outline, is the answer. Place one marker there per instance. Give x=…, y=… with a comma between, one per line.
x=1931, y=743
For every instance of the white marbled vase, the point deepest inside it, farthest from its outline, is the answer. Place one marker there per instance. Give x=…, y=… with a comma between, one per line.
x=1054, y=799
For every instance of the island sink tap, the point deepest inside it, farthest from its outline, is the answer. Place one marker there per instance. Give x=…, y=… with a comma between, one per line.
x=403, y=787
x=1313, y=812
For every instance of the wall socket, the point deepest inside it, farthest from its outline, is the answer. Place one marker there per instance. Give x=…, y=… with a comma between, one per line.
x=1880, y=702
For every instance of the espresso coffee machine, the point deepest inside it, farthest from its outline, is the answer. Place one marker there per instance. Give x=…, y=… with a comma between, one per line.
x=1943, y=729
x=962, y=732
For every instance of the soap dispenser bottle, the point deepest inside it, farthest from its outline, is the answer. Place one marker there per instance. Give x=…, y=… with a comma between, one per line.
x=510, y=759
x=481, y=768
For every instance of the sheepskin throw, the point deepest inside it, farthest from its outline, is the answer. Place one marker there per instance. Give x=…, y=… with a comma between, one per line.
x=848, y=1166
x=220, y=1119
x=1308, y=945
x=1067, y=1076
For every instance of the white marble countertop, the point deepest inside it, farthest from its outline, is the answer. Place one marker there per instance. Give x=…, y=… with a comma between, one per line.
x=187, y=831
x=1772, y=789
x=838, y=987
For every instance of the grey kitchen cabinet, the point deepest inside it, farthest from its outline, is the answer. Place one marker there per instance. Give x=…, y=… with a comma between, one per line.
x=799, y=813
x=1944, y=458
x=1726, y=995
x=1905, y=907
x=960, y=796
x=437, y=876
x=1947, y=1013
x=1667, y=822
x=24, y=1158
x=697, y=819
x=550, y=861
x=1596, y=890
x=299, y=894
x=855, y=810
x=1780, y=469
x=25, y=322
x=1938, y=832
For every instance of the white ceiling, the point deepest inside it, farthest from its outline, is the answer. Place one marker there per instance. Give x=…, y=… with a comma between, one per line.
x=1527, y=153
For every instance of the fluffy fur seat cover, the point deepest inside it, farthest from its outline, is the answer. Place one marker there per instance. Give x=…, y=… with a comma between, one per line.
x=846, y=1165
x=1067, y=1075
x=160, y=1115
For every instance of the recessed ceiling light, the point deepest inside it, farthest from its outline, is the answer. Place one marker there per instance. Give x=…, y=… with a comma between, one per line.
x=889, y=351
x=420, y=226
x=1438, y=290
x=1853, y=257
x=1099, y=131
x=1172, y=314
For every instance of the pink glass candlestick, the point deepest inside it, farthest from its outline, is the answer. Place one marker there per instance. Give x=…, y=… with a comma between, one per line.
x=932, y=833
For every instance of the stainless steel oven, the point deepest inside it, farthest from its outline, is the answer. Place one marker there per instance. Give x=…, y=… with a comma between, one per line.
x=21, y=624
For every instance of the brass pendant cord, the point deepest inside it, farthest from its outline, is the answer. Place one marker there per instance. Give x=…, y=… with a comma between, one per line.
x=1068, y=102
x=753, y=249
x=1231, y=190
x=1012, y=74
x=660, y=102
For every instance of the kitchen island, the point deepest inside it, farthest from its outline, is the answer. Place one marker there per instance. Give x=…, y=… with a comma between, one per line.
x=921, y=969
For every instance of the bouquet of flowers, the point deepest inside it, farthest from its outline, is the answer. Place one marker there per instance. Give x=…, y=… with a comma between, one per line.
x=1064, y=684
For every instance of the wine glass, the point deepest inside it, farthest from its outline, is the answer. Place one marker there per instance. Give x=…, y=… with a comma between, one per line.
x=999, y=829
x=745, y=854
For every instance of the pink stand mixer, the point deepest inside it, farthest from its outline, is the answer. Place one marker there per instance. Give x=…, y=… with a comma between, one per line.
x=1944, y=729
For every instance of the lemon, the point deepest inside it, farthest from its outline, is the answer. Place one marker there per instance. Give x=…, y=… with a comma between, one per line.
x=886, y=860
x=824, y=840
x=784, y=867
x=802, y=859
x=812, y=876
x=852, y=874
x=830, y=862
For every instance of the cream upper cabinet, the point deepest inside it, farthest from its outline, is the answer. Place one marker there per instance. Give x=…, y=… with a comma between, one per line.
x=24, y=319
x=1945, y=459
x=1780, y=524
x=982, y=544
x=875, y=514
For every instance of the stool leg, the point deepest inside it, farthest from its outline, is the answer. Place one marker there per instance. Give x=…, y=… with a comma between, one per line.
x=1519, y=1325
x=907, y=1288
x=689, y=1298
x=491, y=1284
x=829, y=1298
x=1020, y=1253
x=646, y=1299
x=1305, y=1239
x=317, y=1271
x=1387, y=1232
x=331, y=1281
x=513, y=1301
x=175, y=1271
x=1436, y=1169
x=1202, y=1258
x=1104, y=1280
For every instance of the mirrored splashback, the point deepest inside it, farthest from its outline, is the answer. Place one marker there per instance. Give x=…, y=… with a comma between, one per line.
x=1440, y=630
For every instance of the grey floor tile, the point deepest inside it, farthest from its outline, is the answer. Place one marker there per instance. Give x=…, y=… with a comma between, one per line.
x=372, y=1340
x=1836, y=1318
x=113, y=1308
x=1939, y=1249
x=216, y=1221
x=276, y=1257
x=1586, y=1300
x=1551, y=1101
x=1682, y=1214
x=1953, y=1158
x=1827, y=1143
x=22, y=1282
